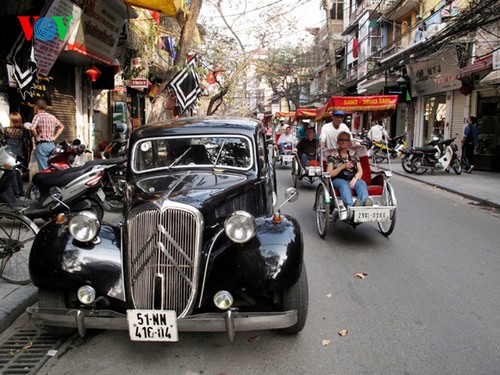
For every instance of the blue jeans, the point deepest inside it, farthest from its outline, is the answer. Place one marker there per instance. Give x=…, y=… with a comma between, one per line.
x=304, y=158
x=43, y=151
x=345, y=190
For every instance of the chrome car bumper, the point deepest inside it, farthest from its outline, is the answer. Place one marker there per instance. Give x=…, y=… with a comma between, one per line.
x=230, y=321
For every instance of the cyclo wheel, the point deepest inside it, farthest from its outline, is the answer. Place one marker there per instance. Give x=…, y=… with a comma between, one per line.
x=386, y=227
x=17, y=234
x=322, y=206
x=295, y=172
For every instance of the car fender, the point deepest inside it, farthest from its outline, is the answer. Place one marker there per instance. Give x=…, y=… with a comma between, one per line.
x=272, y=260
x=68, y=264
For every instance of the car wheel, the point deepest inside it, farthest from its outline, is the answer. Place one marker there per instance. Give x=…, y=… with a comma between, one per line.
x=50, y=299
x=297, y=298
x=322, y=207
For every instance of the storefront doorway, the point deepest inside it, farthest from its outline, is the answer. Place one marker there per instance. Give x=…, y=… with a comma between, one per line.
x=434, y=117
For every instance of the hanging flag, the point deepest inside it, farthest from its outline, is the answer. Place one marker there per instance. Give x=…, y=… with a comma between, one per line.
x=22, y=57
x=186, y=85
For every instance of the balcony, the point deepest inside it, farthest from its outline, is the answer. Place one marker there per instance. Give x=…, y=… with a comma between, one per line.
x=395, y=12
x=366, y=5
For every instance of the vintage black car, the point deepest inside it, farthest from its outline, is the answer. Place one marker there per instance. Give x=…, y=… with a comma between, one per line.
x=202, y=245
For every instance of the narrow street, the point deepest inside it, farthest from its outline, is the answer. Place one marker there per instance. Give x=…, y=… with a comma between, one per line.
x=428, y=303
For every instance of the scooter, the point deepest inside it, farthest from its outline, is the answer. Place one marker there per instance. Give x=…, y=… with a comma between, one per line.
x=114, y=181
x=8, y=163
x=66, y=156
x=442, y=155
x=381, y=151
x=78, y=189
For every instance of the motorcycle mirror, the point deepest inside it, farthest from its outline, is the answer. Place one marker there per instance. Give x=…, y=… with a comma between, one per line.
x=56, y=194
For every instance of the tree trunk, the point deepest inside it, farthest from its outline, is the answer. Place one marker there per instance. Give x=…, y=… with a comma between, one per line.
x=158, y=108
x=216, y=101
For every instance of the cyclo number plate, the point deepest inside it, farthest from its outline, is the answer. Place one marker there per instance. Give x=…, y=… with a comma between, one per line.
x=287, y=158
x=152, y=325
x=371, y=214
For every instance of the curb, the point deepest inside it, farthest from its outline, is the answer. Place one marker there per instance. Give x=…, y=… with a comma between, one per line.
x=15, y=303
x=461, y=193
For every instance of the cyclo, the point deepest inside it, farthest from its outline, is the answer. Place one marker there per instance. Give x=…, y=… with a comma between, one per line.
x=311, y=171
x=328, y=204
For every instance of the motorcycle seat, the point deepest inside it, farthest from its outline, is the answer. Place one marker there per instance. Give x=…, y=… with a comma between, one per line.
x=106, y=161
x=59, y=178
x=426, y=149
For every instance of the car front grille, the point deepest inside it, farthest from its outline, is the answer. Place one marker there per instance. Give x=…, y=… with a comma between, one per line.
x=164, y=246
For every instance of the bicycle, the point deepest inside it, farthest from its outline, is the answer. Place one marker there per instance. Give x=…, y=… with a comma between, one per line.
x=17, y=233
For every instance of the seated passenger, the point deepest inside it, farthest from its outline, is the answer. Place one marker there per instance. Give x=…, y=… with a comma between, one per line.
x=345, y=169
x=307, y=147
x=286, y=138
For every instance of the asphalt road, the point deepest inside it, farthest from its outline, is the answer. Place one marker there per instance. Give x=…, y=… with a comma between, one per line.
x=429, y=303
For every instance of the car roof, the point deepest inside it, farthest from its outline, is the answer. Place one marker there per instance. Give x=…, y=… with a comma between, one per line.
x=198, y=125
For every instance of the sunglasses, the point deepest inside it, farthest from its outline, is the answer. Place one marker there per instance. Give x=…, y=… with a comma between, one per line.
x=343, y=139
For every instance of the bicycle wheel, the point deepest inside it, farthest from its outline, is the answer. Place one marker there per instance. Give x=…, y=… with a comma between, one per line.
x=17, y=234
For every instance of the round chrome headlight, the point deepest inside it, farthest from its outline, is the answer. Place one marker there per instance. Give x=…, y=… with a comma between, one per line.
x=84, y=226
x=240, y=227
x=223, y=300
x=86, y=294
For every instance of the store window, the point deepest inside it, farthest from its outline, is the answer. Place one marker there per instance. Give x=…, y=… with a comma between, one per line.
x=487, y=152
x=434, y=117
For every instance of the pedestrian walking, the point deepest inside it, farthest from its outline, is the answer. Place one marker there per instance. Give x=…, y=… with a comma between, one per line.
x=45, y=128
x=469, y=142
x=19, y=141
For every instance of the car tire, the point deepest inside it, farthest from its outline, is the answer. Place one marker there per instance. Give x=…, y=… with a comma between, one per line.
x=54, y=299
x=297, y=298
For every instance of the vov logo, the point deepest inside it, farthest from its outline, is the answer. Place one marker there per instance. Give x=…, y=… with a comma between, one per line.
x=45, y=28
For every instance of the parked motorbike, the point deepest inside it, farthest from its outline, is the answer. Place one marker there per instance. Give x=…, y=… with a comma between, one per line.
x=118, y=145
x=441, y=155
x=8, y=163
x=78, y=189
x=66, y=155
x=381, y=151
x=114, y=180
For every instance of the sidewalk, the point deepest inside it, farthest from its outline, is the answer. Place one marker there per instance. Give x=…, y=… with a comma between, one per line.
x=480, y=186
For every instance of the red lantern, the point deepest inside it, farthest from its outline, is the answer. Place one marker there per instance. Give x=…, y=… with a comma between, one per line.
x=93, y=73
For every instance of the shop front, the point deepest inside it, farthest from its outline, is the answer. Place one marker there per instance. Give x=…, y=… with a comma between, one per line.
x=440, y=109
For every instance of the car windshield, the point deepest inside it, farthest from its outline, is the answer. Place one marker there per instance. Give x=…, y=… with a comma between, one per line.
x=226, y=152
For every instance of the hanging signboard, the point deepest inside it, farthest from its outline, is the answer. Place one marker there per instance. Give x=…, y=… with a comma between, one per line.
x=358, y=104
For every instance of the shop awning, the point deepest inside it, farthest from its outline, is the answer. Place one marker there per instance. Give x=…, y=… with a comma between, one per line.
x=284, y=114
x=478, y=66
x=492, y=79
x=168, y=7
x=305, y=113
x=357, y=104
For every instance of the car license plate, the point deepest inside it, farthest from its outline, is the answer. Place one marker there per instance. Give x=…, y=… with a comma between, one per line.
x=371, y=214
x=152, y=325
x=287, y=158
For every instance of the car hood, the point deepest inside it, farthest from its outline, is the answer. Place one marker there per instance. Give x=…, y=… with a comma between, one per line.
x=214, y=194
